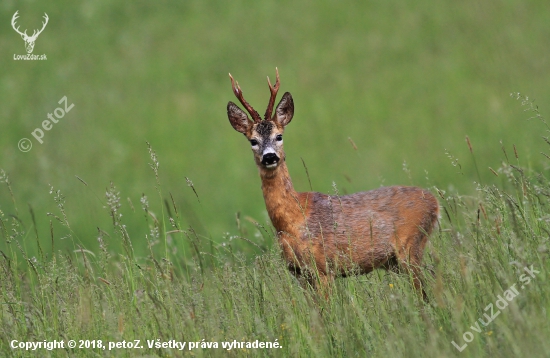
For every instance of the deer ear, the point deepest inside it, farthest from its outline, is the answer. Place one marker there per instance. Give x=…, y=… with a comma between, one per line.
x=284, y=111
x=238, y=119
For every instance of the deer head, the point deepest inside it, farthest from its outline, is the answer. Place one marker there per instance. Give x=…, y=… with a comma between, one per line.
x=265, y=136
x=29, y=40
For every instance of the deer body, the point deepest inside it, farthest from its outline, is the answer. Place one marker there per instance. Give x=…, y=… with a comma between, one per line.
x=331, y=234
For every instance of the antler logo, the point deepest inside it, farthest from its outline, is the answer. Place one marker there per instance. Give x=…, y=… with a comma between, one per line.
x=29, y=40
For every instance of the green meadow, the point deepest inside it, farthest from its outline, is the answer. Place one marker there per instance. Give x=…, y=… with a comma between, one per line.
x=139, y=214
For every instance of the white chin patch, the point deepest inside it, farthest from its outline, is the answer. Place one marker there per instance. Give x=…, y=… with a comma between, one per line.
x=271, y=165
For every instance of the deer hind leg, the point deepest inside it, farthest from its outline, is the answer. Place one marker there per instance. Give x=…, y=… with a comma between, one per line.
x=409, y=259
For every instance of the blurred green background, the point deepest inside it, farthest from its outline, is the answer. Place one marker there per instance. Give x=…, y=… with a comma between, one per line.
x=406, y=81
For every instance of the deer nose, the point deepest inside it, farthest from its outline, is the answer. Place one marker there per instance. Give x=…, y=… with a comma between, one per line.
x=270, y=159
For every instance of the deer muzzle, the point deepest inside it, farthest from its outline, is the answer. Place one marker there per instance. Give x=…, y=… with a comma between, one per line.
x=270, y=160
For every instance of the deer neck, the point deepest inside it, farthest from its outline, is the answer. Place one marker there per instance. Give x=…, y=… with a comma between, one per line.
x=283, y=203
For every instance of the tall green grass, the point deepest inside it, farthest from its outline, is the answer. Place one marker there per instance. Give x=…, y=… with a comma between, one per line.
x=192, y=288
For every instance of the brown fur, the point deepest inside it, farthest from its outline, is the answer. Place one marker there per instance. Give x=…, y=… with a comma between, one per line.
x=338, y=235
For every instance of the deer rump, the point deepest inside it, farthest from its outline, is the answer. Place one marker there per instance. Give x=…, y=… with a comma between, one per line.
x=357, y=233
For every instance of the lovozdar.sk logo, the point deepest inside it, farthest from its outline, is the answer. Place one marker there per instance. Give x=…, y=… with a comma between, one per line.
x=29, y=40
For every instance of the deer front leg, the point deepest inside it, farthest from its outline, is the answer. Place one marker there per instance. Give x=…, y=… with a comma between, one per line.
x=325, y=284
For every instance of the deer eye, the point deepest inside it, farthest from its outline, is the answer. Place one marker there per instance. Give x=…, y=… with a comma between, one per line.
x=253, y=142
x=279, y=137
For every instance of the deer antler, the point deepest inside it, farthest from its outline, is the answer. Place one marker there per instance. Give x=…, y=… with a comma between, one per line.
x=239, y=94
x=13, y=19
x=273, y=90
x=43, y=26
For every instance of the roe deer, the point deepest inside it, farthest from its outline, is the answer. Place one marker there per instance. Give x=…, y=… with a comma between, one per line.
x=336, y=235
